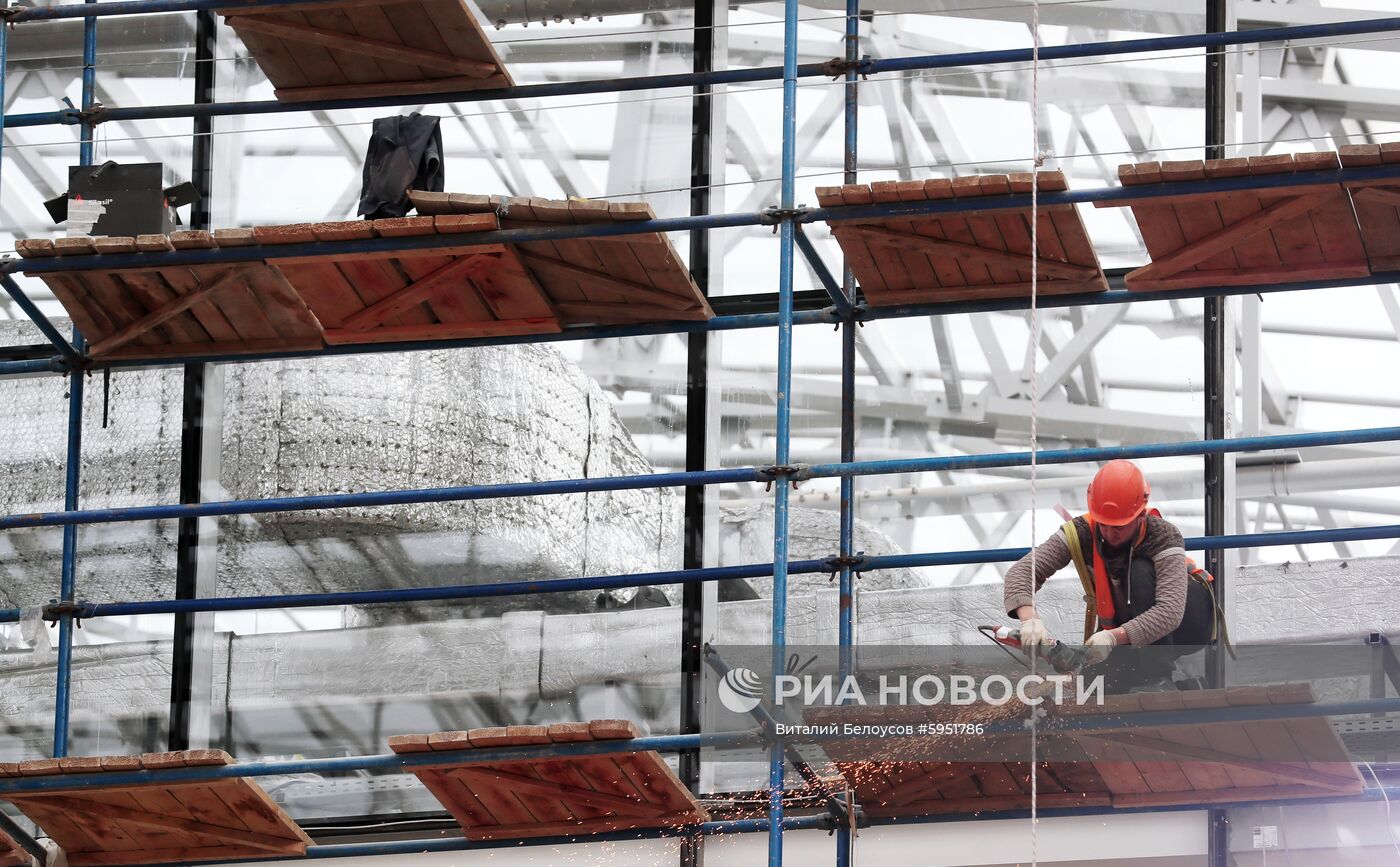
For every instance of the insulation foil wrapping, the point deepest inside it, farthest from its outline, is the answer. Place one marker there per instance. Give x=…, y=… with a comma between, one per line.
x=376, y=422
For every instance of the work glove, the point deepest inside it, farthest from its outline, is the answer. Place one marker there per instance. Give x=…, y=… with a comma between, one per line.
x=1099, y=646
x=1033, y=632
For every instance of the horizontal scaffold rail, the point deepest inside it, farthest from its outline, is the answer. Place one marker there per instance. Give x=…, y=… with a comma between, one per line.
x=680, y=80
x=739, y=322
x=392, y=762
x=733, y=475
x=400, y=595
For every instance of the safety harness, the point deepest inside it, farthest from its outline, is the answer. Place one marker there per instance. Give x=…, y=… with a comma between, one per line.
x=1098, y=596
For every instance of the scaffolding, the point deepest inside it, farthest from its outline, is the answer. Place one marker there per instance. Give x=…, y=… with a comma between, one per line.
x=846, y=311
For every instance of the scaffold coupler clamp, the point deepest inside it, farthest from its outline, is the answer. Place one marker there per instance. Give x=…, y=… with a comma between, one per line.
x=775, y=215
x=793, y=473
x=855, y=562
x=843, y=814
x=839, y=66
x=93, y=114
x=9, y=13
x=57, y=610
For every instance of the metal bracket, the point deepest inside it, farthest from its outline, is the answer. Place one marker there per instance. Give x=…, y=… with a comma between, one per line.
x=9, y=13
x=93, y=114
x=57, y=610
x=839, y=66
x=794, y=473
x=846, y=561
x=775, y=215
x=857, y=315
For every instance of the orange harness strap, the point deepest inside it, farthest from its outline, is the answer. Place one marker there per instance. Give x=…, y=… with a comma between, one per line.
x=1103, y=594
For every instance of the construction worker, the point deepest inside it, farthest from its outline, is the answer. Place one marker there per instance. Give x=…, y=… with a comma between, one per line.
x=1134, y=569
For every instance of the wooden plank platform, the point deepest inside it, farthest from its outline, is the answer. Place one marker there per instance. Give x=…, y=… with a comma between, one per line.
x=211, y=820
x=1377, y=204
x=577, y=795
x=298, y=303
x=366, y=48
x=968, y=255
x=1207, y=763
x=240, y=307
x=1244, y=237
x=606, y=281
x=288, y=303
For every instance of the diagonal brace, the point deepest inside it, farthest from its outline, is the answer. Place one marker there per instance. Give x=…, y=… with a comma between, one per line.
x=41, y=321
x=563, y=791
x=838, y=296
x=1178, y=751
x=1218, y=242
x=83, y=806
x=136, y=328
x=415, y=293
x=1382, y=195
x=636, y=291
x=967, y=252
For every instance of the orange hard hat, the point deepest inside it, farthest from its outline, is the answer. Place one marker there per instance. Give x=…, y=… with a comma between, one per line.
x=1118, y=494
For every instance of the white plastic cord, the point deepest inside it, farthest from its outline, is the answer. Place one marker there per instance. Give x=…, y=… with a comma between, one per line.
x=1037, y=158
x=1389, y=828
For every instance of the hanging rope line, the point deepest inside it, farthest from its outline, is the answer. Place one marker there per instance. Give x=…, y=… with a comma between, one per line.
x=1037, y=159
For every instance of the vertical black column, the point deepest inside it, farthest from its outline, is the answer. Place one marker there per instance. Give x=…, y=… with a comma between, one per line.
x=696, y=409
x=192, y=411
x=1218, y=852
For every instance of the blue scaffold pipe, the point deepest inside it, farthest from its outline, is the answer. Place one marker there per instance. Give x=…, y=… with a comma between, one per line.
x=411, y=595
x=682, y=576
x=725, y=323
x=389, y=762
x=587, y=332
x=1369, y=794
x=833, y=289
x=678, y=479
x=27, y=367
x=1199, y=716
x=787, y=231
x=731, y=76
x=458, y=844
x=26, y=842
x=73, y=458
x=23, y=301
x=151, y=7
x=845, y=629
x=1193, y=543
x=881, y=210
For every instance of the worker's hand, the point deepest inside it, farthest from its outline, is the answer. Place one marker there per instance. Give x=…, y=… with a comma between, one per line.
x=1033, y=632
x=1100, y=645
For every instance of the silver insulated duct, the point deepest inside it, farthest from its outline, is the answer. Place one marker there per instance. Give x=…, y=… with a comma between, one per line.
x=360, y=423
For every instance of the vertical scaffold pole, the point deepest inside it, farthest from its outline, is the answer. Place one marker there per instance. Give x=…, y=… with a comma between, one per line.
x=786, y=230
x=846, y=614
x=74, y=455
x=4, y=57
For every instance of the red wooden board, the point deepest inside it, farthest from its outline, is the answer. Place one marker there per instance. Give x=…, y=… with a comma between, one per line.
x=362, y=48
x=603, y=280
x=1377, y=204
x=1296, y=232
x=1204, y=763
x=970, y=254
x=577, y=795
x=211, y=820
